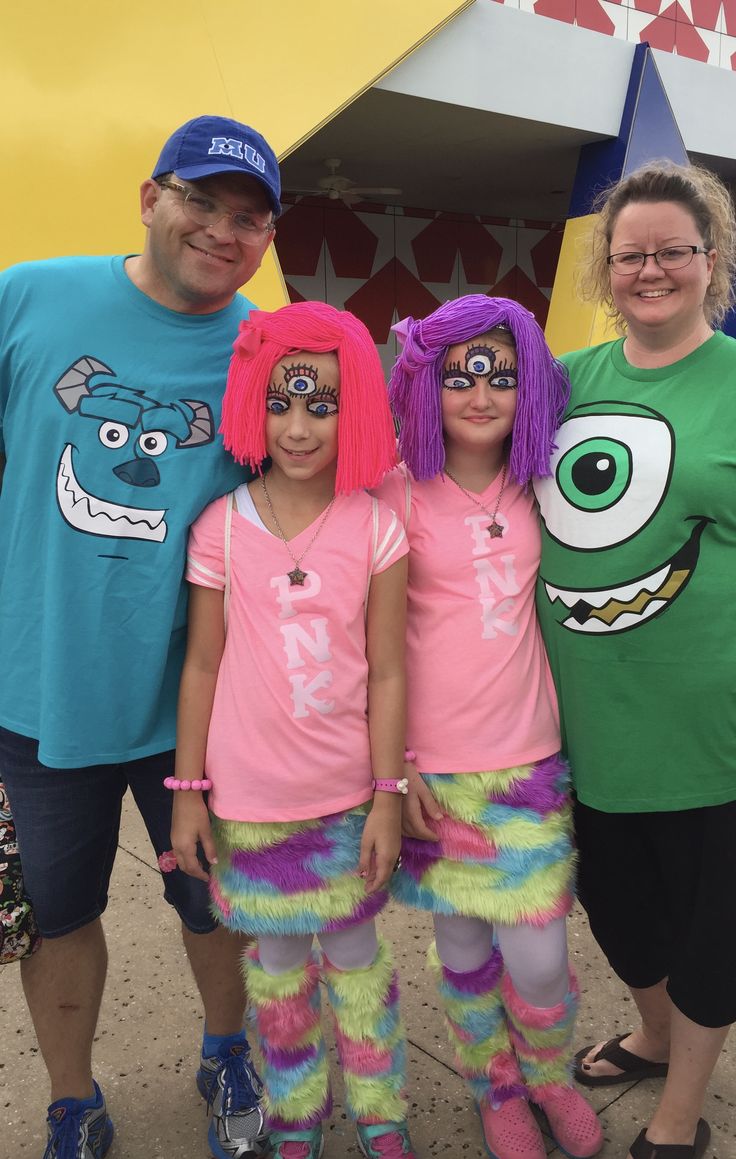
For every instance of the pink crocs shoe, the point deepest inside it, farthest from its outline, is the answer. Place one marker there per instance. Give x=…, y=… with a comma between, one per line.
x=511, y=1132
x=573, y=1124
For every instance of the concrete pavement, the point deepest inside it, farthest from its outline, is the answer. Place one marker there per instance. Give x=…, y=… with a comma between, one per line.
x=150, y=1028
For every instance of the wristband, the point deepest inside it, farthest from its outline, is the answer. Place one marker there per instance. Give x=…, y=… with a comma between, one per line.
x=393, y=786
x=173, y=783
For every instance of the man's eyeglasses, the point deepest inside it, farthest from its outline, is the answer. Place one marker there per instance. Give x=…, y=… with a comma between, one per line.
x=672, y=257
x=207, y=211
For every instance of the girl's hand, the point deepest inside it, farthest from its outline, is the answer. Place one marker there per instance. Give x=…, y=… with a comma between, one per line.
x=418, y=805
x=381, y=844
x=190, y=824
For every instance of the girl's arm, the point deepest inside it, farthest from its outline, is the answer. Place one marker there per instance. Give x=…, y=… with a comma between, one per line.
x=385, y=636
x=205, y=645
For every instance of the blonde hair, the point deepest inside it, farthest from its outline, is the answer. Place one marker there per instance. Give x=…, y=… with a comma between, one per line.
x=701, y=194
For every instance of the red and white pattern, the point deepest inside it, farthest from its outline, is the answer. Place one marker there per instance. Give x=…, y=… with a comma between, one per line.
x=703, y=30
x=384, y=262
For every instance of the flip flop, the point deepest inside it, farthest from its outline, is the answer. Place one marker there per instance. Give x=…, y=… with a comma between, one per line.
x=643, y=1148
x=631, y=1065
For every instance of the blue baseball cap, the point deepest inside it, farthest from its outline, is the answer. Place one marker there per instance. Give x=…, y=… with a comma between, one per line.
x=208, y=145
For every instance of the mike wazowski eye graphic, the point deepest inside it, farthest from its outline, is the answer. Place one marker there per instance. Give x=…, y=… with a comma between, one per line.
x=610, y=473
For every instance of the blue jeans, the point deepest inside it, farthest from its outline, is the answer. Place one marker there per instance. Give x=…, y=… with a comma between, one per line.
x=68, y=822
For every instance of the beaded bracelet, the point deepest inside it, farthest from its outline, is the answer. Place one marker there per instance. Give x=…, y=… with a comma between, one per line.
x=410, y=755
x=173, y=783
x=393, y=786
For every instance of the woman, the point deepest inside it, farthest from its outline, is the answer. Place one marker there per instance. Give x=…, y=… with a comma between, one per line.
x=636, y=601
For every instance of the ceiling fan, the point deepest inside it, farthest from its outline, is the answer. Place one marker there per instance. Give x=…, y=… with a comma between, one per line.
x=339, y=188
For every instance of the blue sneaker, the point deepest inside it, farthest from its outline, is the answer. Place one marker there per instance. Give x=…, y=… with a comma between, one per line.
x=307, y=1144
x=78, y=1131
x=232, y=1088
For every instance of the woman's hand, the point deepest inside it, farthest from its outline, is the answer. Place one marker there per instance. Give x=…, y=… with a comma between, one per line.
x=381, y=843
x=191, y=824
x=419, y=804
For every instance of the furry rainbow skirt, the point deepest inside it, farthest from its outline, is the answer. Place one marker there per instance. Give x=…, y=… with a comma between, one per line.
x=505, y=851
x=291, y=877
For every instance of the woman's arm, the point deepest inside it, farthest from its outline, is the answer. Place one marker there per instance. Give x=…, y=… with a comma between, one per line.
x=385, y=637
x=205, y=645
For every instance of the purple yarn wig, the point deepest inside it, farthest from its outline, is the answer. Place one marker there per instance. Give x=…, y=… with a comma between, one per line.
x=415, y=389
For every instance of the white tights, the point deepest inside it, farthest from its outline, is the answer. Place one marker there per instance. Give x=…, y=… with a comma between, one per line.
x=534, y=956
x=350, y=949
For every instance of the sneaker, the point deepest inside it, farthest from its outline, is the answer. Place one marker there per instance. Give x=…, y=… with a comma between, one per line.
x=511, y=1131
x=229, y=1083
x=307, y=1144
x=573, y=1124
x=78, y=1131
x=385, y=1141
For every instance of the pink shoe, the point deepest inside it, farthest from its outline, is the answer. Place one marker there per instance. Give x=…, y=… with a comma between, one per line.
x=511, y=1132
x=573, y=1124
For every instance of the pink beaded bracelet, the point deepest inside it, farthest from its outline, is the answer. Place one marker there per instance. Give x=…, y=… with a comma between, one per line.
x=173, y=783
x=410, y=755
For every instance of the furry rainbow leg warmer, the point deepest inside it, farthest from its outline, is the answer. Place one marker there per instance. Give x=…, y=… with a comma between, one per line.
x=370, y=1038
x=542, y=1039
x=478, y=1031
x=295, y=1075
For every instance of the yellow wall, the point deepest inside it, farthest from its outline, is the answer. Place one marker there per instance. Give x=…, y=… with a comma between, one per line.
x=572, y=323
x=90, y=89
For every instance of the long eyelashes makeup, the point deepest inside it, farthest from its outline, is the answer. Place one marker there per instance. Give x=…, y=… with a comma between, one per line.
x=480, y=360
x=324, y=403
x=300, y=380
x=504, y=377
x=277, y=400
x=453, y=378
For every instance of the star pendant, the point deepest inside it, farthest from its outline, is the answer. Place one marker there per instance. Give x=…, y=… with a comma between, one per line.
x=495, y=530
x=297, y=576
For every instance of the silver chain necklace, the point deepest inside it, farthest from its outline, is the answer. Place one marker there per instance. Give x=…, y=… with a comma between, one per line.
x=495, y=530
x=296, y=576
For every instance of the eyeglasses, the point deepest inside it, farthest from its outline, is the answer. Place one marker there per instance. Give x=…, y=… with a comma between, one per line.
x=672, y=257
x=207, y=211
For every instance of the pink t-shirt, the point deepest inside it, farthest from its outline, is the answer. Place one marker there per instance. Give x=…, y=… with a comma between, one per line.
x=288, y=737
x=480, y=690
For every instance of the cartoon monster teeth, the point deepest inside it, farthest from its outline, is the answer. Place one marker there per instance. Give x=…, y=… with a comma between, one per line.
x=599, y=598
x=97, y=516
x=617, y=609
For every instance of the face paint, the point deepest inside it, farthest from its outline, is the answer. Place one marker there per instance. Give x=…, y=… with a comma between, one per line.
x=479, y=395
x=301, y=381
x=301, y=400
x=496, y=364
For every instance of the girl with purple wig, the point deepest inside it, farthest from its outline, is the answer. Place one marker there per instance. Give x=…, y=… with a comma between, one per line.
x=293, y=719
x=487, y=821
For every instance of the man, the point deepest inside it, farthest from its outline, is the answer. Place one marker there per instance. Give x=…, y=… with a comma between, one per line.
x=111, y=375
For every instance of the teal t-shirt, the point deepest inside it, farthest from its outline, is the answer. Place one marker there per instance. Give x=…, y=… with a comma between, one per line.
x=637, y=591
x=109, y=410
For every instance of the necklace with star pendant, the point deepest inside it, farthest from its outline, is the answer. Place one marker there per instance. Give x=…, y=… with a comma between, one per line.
x=495, y=530
x=296, y=576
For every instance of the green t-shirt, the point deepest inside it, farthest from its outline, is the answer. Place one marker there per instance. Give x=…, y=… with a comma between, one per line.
x=637, y=590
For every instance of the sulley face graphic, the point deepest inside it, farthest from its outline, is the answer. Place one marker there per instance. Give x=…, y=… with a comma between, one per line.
x=112, y=480
x=610, y=505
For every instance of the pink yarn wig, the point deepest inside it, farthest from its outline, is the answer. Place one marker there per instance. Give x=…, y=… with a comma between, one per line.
x=365, y=429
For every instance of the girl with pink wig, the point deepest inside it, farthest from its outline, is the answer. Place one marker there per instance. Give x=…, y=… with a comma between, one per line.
x=488, y=845
x=291, y=716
